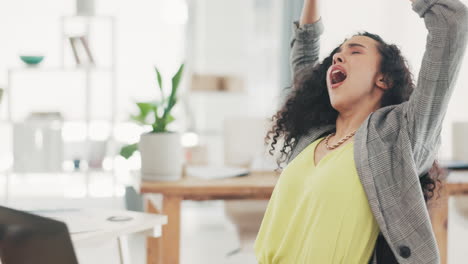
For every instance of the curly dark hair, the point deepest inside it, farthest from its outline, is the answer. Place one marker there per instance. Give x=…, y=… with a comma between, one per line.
x=305, y=108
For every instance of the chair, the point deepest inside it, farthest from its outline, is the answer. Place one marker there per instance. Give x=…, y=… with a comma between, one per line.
x=243, y=145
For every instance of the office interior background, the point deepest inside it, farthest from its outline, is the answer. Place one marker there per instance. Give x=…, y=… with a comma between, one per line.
x=86, y=109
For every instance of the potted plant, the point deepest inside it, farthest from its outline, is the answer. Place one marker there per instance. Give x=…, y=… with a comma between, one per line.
x=161, y=150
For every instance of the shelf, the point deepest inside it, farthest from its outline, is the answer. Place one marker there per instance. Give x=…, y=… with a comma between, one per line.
x=64, y=172
x=89, y=17
x=84, y=106
x=82, y=121
x=58, y=68
x=222, y=93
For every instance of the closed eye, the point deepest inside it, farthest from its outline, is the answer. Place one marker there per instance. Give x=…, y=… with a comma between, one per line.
x=355, y=52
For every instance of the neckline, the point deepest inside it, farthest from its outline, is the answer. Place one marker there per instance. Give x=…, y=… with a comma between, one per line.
x=328, y=154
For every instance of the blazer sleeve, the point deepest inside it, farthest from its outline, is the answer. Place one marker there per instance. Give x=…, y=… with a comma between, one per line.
x=305, y=46
x=447, y=23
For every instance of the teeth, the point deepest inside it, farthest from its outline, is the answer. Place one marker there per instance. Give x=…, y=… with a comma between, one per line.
x=335, y=71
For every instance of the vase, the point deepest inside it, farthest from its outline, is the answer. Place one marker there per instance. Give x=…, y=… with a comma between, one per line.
x=161, y=156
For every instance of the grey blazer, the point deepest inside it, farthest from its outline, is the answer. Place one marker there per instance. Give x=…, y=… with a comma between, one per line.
x=397, y=144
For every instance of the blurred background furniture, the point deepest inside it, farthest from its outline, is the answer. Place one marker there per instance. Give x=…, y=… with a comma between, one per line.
x=255, y=186
x=244, y=146
x=86, y=104
x=456, y=186
x=92, y=227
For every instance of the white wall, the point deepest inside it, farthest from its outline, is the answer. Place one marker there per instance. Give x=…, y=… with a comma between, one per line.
x=240, y=38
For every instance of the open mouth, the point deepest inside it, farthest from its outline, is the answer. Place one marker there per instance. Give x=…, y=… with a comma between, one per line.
x=337, y=76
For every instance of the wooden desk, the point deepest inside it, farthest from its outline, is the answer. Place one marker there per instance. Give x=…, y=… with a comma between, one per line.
x=455, y=184
x=255, y=186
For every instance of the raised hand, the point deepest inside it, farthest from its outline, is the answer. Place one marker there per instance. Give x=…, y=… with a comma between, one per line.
x=310, y=12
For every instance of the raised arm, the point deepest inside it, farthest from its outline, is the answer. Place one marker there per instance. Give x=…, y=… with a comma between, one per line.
x=310, y=12
x=447, y=25
x=305, y=40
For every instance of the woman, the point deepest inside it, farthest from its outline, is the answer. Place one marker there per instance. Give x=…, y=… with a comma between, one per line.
x=360, y=150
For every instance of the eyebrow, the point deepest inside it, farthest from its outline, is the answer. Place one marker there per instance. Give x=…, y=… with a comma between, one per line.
x=353, y=45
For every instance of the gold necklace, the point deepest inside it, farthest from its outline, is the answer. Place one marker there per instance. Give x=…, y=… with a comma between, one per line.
x=339, y=142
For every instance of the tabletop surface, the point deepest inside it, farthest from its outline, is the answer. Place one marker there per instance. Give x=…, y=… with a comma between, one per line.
x=458, y=176
x=87, y=226
x=256, y=183
x=259, y=182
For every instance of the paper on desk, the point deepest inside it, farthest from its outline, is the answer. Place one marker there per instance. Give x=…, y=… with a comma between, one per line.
x=77, y=221
x=216, y=172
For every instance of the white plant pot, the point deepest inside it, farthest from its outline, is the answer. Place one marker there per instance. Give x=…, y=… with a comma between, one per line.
x=161, y=156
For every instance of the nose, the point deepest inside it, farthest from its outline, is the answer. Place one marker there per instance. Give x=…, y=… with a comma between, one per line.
x=337, y=57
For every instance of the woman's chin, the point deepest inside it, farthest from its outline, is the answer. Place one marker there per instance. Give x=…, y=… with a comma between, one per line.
x=338, y=104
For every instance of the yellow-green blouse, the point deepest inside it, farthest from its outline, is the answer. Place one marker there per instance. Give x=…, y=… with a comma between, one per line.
x=318, y=214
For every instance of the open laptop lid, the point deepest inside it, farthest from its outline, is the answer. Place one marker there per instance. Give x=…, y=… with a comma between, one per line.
x=27, y=238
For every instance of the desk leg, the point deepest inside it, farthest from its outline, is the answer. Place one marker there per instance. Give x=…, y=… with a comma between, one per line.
x=171, y=231
x=153, y=244
x=438, y=211
x=120, y=245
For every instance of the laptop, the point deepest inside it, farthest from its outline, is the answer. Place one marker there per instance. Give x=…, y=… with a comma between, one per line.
x=27, y=238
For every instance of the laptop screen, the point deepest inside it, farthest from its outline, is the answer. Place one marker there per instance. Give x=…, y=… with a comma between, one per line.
x=26, y=238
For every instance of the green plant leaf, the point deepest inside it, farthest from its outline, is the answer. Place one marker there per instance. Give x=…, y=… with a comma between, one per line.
x=176, y=78
x=127, y=151
x=145, y=109
x=169, y=119
x=159, y=127
x=156, y=116
x=170, y=106
x=159, y=78
x=175, y=84
x=159, y=124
